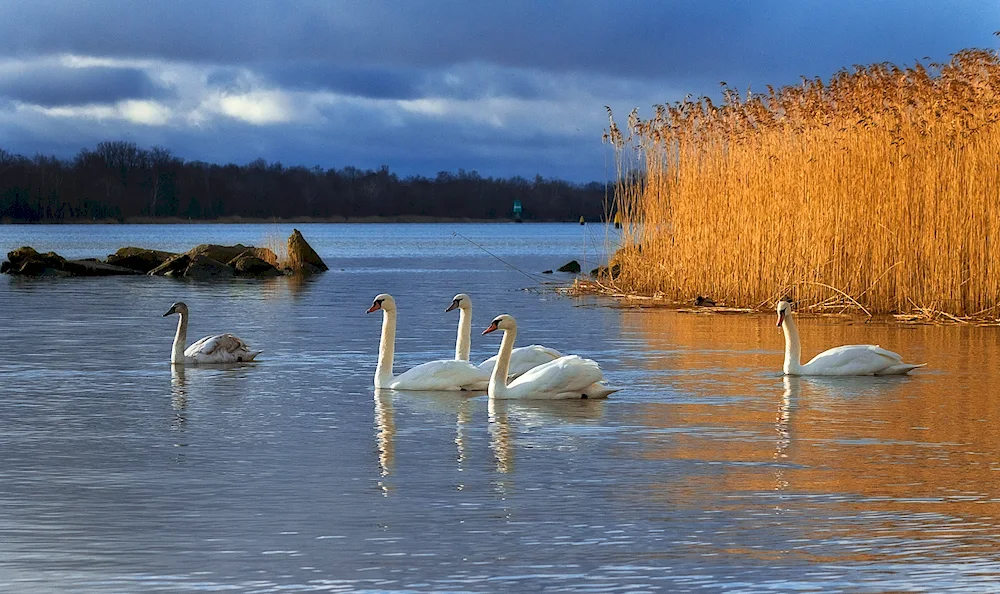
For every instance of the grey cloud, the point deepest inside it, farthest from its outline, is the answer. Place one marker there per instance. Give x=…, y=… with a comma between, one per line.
x=50, y=86
x=365, y=81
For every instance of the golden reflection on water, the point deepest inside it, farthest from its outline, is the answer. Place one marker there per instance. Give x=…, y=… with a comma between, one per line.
x=871, y=450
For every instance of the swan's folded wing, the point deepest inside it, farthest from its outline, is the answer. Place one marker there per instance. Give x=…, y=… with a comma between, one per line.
x=446, y=374
x=565, y=374
x=221, y=348
x=854, y=359
x=523, y=358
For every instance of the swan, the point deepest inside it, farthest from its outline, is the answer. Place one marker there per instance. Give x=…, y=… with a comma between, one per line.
x=566, y=377
x=521, y=359
x=221, y=348
x=855, y=359
x=445, y=374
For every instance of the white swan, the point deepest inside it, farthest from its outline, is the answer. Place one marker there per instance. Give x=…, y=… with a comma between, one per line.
x=220, y=348
x=563, y=378
x=855, y=359
x=446, y=374
x=521, y=359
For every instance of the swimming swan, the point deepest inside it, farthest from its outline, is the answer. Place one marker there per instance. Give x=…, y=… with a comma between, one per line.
x=521, y=359
x=855, y=359
x=446, y=374
x=563, y=378
x=221, y=348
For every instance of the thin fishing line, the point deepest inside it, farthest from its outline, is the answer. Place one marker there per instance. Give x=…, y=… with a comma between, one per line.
x=534, y=278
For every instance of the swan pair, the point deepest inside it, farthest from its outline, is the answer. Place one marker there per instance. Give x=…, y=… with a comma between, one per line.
x=855, y=359
x=561, y=377
x=220, y=348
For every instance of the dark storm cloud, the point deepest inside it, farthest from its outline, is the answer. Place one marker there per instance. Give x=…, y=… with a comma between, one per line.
x=51, y=86
x=370, y=82
x=640, y=39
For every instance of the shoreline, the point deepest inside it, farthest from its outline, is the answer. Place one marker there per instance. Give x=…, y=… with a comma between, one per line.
x=237, y=220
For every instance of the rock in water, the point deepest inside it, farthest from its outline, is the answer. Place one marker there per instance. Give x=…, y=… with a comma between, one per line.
x=219, y=253
x=203, y=267
x=139, y=259
x=301, y=256
x=571, y=266
x=92, y=267
x=248, y=264
x=172, y=267
x=26, y=261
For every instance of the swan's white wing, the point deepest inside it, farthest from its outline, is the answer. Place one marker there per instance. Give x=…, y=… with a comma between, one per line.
x=565, y=377
x=522, y=359
x=855, y=359
x=221, y=348
x=446, y=374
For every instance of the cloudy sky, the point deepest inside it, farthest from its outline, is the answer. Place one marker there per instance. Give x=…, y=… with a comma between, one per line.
x=504, y=87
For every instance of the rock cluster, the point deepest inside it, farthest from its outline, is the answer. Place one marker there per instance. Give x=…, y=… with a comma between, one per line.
x=206, y=261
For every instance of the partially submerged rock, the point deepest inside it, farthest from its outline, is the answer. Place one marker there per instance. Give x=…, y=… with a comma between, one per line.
x=248, y=264
x=138, y=258
x=572, y=266
x=205, y=261
x=301, y=256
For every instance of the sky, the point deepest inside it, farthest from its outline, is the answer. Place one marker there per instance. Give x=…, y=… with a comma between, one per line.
x=503, y=87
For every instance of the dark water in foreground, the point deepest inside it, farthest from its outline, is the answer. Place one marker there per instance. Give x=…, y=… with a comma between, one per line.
x=708, y=472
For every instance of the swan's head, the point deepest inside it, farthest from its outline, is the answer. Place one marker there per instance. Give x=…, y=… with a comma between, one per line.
x=783, y=308
x=461, y=301
x=502, y=322
x=384, y=302
x=177, y=308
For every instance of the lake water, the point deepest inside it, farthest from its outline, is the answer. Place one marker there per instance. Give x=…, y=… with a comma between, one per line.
x=709, y=471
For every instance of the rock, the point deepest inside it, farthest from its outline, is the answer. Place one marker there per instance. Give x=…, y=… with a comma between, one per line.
x=219, y=253
x=172, y=267
x=203, y=267
x=603, y=271
x=301, y=256
x=92, y=267
x=546, y=272
x=571, y=266
x=26, y=261
x=264, y=254
x=139, y=259
x=248, y=264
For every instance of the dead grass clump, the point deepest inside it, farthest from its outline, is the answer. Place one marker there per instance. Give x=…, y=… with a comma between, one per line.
x=880, y=184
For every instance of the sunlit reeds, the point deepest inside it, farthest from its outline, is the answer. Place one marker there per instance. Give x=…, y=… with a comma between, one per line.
x=879, y=186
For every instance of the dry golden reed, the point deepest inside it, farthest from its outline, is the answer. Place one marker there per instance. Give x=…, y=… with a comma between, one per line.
x=882, y=184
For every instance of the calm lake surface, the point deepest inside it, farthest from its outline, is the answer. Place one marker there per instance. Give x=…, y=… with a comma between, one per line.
x=709, y=471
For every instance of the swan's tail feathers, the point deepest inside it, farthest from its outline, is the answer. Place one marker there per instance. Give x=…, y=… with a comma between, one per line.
x=901, y=369
x=599, y=390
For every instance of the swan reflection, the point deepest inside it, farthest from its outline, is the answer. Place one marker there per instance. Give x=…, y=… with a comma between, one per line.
x=385, y=424
x=178, y=396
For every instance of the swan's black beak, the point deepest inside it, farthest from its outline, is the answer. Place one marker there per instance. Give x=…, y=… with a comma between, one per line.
x=781, y=318
x=375, y=307
x=172, y=310
x=492, y=327
x=454, y=305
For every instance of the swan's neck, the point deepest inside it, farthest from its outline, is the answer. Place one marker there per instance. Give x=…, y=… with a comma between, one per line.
x=464, y=342
x=180, y=340
x=498, y=381
x=793, y=350
x=386, y=349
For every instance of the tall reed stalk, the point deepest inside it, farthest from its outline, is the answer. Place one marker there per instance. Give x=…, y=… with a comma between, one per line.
x=882, y=183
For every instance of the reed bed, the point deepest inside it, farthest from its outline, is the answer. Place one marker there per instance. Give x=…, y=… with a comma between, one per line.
x=878, y=189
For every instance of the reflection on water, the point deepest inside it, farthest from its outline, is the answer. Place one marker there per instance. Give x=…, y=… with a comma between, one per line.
x=709, y=472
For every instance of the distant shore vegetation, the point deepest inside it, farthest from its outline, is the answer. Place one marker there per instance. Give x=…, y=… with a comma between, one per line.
x=119, y=181
x=878, y=189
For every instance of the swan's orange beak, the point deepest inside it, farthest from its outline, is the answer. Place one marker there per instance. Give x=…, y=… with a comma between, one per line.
x=454, y=305
x=492, y=327
x=781, y=318
x=375, y=307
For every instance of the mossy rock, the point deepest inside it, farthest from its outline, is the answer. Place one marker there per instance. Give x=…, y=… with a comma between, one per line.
x=572, y=266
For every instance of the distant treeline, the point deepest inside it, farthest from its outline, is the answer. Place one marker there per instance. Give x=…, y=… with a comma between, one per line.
x=120, y=181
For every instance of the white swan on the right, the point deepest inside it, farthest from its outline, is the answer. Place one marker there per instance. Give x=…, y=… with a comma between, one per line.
x=855, y=359
x=563, y=378
x=521, y=359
